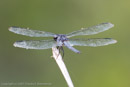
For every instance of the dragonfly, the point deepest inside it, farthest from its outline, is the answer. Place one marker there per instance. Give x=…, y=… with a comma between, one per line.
x=60, y=40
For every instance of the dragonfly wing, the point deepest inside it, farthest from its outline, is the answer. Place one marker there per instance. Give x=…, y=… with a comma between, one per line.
x=91, y=42
x=91, y=30
x=35, y=44
x=31, y=33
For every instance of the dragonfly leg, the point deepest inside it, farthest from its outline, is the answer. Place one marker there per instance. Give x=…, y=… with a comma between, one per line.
x=57, y=47
x=60, y=48
x=62, y=51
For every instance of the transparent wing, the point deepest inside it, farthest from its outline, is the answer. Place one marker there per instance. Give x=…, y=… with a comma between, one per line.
x=31, y=33
x=91, y=42
x=91, y=30
x=35, y=44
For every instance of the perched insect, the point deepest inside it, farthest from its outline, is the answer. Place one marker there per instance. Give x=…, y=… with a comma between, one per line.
x=60, y=40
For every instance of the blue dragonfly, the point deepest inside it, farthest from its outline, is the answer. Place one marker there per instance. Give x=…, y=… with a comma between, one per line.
x=60, y=40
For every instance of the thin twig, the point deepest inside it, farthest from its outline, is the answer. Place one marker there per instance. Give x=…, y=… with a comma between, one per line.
x=58, y=58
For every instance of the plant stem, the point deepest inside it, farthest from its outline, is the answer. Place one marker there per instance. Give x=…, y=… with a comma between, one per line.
x=58, y=58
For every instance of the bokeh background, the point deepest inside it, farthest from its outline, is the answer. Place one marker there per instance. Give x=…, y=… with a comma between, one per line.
x=107, y=66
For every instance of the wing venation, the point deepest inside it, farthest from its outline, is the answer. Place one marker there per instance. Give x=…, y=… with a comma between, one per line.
x=91, y=30
x=31, y=33
x=35, y=44
x=94, y=42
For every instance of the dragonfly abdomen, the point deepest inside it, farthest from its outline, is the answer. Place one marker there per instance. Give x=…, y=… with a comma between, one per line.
x=70, y=47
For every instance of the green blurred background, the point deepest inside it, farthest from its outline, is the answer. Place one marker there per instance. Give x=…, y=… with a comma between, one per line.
x=107, y=66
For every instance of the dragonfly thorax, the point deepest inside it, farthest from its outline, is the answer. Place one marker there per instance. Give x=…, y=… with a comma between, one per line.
x=60, y=38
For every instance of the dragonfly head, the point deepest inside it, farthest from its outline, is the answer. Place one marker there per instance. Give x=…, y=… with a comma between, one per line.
x=60, y=38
